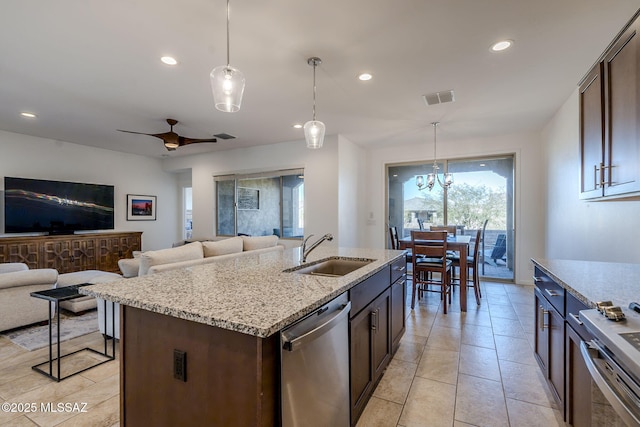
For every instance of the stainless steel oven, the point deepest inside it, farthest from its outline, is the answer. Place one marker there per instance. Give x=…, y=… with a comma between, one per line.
x=613, y=360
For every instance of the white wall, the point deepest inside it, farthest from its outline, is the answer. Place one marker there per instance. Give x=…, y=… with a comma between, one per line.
x=577, y=229
x=351, y=198
x=529, y=216
x=30, y=157
x=321, y=171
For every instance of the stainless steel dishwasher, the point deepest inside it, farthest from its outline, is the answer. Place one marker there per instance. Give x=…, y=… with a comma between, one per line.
x=315, y=368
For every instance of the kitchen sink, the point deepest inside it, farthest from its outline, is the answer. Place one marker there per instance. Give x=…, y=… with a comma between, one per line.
x=331, y=267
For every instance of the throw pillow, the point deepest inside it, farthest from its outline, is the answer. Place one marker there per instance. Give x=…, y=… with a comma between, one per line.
x=187, y=252
x=222, y=247
x=258, y=242
x=129, y=266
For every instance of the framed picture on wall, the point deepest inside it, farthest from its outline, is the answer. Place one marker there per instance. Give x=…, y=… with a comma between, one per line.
x=141, y=208
x=248, y=199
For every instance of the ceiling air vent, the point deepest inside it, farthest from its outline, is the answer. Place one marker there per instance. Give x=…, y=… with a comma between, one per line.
x=224, y=136
x=439, y=97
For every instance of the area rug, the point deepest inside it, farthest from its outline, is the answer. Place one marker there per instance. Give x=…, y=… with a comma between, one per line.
x=35, y=337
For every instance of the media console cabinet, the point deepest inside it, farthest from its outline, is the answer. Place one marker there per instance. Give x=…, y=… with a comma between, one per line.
x=69, y=253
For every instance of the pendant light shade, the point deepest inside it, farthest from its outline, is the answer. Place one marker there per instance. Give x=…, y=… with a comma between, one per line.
x=314, y=134
x=227, y=83
x=314, y=129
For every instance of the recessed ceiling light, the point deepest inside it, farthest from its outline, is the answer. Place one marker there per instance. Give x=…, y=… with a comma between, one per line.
x=365, y=77
x=28, y=115
x=297, y=126
x=482, y=165
x=501, y=45
x=169, y=60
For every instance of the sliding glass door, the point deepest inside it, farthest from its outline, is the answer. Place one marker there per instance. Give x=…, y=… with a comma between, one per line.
x=270, y=203
x=481, y=198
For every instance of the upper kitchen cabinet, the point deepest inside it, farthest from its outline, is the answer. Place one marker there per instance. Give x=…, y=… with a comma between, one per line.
x=610, y=120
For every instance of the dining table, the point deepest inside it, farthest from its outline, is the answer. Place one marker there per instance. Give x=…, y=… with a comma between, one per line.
x=453, y=244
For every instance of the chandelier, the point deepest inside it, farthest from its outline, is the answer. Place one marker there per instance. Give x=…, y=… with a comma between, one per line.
x=447, y=179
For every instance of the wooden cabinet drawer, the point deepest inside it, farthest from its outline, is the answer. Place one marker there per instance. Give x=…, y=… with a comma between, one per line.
x=398, y=269
x=552, y=291
x=363, y=293
x=574, y=305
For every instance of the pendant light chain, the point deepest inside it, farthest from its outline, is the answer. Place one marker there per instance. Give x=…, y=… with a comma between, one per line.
x=435, y=124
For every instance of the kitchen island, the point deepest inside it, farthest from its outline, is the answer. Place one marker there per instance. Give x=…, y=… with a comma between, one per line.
x=226, y=317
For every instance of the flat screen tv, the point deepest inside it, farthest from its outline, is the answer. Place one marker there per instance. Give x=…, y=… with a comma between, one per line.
x=56, y=207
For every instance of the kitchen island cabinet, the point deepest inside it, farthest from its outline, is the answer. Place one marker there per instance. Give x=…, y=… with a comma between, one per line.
x=201, y=346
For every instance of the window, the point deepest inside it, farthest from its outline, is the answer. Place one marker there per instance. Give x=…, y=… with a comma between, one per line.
x=261, y=204
x=482, y=191
x=188, y=206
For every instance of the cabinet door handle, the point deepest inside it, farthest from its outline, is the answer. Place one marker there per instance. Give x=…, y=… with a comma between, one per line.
x=537, y=279
x=541, y=313
x=576, y=318
x=401, y=268
x=374, y=320
x=551, y=293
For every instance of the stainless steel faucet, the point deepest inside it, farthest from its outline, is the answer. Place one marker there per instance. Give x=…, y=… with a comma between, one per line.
x=306, y=252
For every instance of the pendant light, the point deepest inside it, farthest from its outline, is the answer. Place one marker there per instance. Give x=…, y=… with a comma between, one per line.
x=433, y=176
x=227, y=83
x=314, y=129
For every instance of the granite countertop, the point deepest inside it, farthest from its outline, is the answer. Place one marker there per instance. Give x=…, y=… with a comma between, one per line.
x=249, y=294
x=592, y=281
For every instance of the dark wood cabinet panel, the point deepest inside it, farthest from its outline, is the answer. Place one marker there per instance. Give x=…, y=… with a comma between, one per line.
x=381, y=309
x=361, y=356
x=70, y=253
x=550, y=332
x=398, y=313
x=610, y=120
x=622, y=120
x=592, y=134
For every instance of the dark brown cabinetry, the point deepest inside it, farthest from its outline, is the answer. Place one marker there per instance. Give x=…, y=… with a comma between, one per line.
x=376, y=326
x=579, y=386
x=549, y=335
x=77, y=252
x=610, y=120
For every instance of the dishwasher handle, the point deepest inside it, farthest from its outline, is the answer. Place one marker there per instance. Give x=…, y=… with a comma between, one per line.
x=329, y=324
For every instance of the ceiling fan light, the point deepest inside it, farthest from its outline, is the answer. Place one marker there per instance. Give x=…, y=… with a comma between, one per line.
x=227, y=85
x=314, y=134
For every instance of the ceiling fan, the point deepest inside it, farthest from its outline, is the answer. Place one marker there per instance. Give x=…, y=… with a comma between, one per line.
x=171, y=139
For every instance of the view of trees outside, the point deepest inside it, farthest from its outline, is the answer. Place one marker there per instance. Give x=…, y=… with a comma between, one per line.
x=470, y=205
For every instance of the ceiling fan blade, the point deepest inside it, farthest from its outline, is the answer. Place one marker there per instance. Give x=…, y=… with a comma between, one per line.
x=137, y=133
x=186, y=141
x=156, y=135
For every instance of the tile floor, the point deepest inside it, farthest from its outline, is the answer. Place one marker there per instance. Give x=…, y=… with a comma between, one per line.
x=466, y=369
x=460, y=369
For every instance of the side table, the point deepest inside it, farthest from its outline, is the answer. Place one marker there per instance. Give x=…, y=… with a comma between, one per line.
x=55, y=296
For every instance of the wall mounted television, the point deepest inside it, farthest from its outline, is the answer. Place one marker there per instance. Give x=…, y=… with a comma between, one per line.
x=56, y=207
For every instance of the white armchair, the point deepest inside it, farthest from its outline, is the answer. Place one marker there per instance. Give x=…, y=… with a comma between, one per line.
x=17, y=306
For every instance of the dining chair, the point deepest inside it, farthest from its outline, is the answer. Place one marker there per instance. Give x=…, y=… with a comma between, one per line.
x=432, y=246
x=452, y=230
x=473, y=262
x=421, y=224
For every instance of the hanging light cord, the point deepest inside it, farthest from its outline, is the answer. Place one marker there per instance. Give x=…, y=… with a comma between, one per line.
x=435, y=124
x=314, y=90
x=228, y=61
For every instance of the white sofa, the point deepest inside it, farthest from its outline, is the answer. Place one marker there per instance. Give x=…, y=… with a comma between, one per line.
x=17, y=306
x=189, y=255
